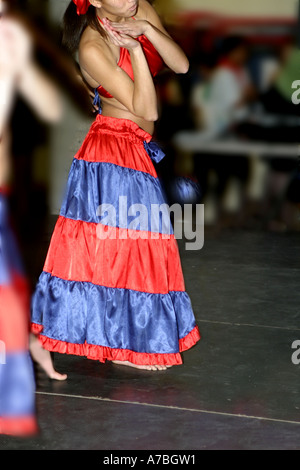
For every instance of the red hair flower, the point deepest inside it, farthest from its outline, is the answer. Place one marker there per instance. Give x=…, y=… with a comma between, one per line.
x=82, y=6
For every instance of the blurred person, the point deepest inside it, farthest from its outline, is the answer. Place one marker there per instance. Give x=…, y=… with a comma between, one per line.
x=120, y=299
x=220, y=103
x=19, y=74
x=277, y=98
x=17, y=404
x=200, y=90
x=276, y=117
x=228, y=88
x=277, y=120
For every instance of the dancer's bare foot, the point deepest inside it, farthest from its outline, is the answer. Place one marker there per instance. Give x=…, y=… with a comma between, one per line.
x=135, y=366
x=43, y=359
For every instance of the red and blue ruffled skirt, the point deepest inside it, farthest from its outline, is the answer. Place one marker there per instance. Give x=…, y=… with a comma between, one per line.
x=17, y=383
x=112, y=286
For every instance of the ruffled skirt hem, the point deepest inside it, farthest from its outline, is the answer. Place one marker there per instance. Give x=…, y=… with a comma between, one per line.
x=103, y=354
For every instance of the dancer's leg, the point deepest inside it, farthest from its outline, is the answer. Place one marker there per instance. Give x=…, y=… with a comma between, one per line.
x=43, y=359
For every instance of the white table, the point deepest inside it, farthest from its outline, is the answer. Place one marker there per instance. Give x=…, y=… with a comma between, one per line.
x=201, y=142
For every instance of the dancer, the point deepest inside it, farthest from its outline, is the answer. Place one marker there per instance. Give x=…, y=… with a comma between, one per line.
x=112, y=287
x=17, y=403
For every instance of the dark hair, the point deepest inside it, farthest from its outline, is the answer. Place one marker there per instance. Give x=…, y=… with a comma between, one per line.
x=231, y=43
x=74, y=25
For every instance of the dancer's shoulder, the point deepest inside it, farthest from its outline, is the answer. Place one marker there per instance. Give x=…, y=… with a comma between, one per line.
x=147, y=12
x=145, y=9
x=93, y=47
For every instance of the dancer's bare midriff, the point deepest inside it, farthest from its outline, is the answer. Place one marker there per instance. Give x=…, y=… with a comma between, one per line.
x=111, y=107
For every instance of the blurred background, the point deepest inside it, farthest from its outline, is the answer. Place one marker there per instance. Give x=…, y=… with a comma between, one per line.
x=229, y=127
x=232, y=123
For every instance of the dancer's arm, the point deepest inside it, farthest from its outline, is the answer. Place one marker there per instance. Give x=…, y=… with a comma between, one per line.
x=138, y=96
x=18, y=72
x=6, y=97
x=12, y=59
x=40, y=93
x=151, y=26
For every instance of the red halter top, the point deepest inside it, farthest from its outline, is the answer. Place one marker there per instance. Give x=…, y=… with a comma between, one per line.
x=154, y=60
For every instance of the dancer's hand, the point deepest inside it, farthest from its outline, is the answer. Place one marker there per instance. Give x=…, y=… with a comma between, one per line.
x=15, y=48
x=119, y=39
x=130, y=27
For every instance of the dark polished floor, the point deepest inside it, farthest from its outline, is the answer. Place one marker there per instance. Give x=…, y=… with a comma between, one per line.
x=237, y=389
